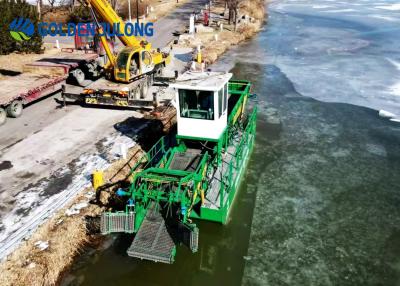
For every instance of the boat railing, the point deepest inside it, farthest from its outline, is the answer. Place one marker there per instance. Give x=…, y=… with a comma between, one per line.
x=151, y=157
x=246, y=141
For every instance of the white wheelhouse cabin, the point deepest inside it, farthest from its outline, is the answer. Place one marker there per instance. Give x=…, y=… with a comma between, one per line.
x=202, y=104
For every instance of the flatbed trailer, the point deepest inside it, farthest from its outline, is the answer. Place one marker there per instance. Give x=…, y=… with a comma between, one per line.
x=105, y=92
x=44, y=77
x=137, y=94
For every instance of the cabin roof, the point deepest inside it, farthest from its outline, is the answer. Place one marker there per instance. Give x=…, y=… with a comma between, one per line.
x=202, y=80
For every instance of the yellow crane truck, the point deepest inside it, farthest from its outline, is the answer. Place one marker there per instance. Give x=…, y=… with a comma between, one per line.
x=129, y=73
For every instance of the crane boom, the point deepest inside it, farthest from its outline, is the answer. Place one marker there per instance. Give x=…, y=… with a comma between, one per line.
x=107, y=14
x=134, y=62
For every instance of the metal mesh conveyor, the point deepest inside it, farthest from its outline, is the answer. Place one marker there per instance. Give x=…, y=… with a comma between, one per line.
x=117, y=222
x=186, y=161
x=153, y=242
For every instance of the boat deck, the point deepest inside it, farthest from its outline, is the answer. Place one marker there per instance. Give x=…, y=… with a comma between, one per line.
x=186, y=161
x=212, y=199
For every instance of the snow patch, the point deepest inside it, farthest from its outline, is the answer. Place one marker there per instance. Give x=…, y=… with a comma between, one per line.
x=392, y=7
x=395, y=63
x=19, y=225
x=391, y=116
x=395, y=89
x=31, y=265
x=42, y=245
x=386, y=114
x=340, y=11
x=321, y=6
x=32, y=209
x=76, y=208
x=387, y=18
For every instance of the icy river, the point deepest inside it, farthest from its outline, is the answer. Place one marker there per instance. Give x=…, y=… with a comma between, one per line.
x=320, y=203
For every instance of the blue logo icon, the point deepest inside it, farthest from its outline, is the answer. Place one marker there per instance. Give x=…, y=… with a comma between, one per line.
x=21, y=29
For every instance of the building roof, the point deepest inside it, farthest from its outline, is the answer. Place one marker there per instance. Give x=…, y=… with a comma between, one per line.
x=202, y=80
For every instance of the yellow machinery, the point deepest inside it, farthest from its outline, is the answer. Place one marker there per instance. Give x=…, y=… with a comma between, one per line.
x=137, y=59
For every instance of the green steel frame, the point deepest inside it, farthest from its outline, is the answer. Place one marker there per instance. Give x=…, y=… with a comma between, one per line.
x=153, y=181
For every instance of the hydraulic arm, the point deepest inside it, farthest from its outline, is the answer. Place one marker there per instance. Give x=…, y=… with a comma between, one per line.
x=137, y=59
x=107, y=14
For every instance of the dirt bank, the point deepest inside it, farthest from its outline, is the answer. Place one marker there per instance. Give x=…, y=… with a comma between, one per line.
x=221, y=34
x=47, y=254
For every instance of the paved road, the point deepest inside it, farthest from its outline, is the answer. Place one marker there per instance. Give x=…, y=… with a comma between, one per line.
x=47, y=139
x=43, y=113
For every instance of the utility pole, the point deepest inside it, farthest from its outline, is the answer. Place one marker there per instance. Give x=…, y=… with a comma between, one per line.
x=209, y=12
x=129, y=11
x=137, y=12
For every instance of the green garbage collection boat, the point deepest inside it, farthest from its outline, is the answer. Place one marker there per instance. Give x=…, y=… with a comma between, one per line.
x=192, y=175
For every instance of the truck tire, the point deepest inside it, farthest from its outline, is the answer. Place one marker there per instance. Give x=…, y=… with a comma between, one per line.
x=135, y=93
x=150, y=80
x=15, y=109
x=79, y=76
x=3, y=116
x=159, y=71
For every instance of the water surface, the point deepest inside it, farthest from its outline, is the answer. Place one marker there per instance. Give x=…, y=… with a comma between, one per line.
x=320, y=202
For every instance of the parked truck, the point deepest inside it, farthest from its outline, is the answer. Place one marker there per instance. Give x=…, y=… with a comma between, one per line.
x=44, y=77
x=129, y=73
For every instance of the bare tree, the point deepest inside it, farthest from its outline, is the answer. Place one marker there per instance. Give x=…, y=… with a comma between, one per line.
x=225, y=6
x=233, y=6
x=114, y=3
x=65, y=3
x=72, y=5
x=52, y=3
x=39, y=8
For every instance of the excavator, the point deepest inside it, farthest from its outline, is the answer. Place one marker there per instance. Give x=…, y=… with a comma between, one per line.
x=130, y=72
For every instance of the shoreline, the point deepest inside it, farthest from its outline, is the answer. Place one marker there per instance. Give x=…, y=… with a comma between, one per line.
x=67, y=235
x=221, y=35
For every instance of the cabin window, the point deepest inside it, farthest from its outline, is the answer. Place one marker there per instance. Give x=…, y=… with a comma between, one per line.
x=196, y=104
x=220, y=101
x=146, y=58
x=122, y=60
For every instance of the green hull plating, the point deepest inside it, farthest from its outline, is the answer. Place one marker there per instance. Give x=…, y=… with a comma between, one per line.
x=192, y=178
x=221, y=214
